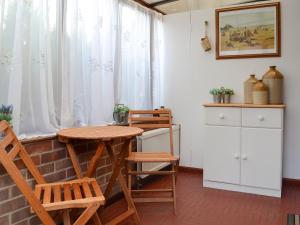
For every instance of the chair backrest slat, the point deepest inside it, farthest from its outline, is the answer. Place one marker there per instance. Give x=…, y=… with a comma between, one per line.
x=14, y=152
x=13, y=148
x=151, y=119
x=149, y=125
x=7, y=140
x=160, y=111
x=6, y=159
x=3, y=127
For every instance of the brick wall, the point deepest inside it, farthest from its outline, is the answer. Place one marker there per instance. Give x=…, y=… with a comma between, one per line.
x=53, y=161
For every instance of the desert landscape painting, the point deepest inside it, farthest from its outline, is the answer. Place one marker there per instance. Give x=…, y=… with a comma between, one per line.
x=249, y=31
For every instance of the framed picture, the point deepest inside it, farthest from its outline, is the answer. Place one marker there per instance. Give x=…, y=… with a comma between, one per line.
x=248, y=31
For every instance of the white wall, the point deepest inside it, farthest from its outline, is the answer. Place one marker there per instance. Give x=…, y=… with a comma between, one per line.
x=190, y=73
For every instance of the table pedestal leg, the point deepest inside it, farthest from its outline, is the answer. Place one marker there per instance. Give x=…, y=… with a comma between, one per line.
x=118, y=175
x=92, y=164
x=94, y=161
x=74, y=160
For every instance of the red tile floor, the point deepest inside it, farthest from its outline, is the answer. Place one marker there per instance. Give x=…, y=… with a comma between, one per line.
x=202, y=206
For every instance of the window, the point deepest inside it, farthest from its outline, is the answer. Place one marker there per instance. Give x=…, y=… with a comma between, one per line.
x=66, y=63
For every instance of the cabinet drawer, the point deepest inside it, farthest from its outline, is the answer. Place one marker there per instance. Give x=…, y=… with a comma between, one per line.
x=223, y=116
x=265, y=118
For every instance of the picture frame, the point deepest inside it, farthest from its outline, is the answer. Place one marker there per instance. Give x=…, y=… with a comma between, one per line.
x=249, y=31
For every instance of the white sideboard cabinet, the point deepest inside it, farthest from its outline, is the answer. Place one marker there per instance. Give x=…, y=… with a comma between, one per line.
x=243, y=148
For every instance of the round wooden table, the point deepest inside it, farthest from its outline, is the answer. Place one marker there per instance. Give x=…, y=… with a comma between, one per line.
x=105, y=135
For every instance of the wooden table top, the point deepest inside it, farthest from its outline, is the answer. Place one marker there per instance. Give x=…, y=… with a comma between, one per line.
x=100, y=132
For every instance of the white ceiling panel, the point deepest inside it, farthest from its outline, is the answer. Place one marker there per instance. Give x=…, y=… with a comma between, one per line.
x=175, y=7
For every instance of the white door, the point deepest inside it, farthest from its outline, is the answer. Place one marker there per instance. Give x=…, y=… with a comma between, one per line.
x=261, y=157
x=222, y=154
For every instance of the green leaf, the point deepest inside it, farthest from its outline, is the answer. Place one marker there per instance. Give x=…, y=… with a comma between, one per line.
x=121, y=108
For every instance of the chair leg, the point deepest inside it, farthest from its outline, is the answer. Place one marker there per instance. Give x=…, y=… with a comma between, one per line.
x=66, y=216
x=87, y=214
x=176, y=170
x=129, y=183
x=129, y=178
x=138, y=177
x=174, y=188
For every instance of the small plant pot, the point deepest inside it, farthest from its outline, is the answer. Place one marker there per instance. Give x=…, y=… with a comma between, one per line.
x=226, y=99
x=217, y=98
x=120, y=117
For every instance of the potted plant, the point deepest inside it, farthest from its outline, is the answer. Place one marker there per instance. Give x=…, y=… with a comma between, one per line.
x=227, y=93
x=121, y=114
x=6, y=113
x=216, y=93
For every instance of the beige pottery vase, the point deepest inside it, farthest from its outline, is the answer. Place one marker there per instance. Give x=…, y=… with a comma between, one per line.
x=248, y=89
x=274, y=80
x=260, y=93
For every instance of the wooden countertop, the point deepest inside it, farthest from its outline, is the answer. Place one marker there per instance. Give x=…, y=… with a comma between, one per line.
x=242, y=105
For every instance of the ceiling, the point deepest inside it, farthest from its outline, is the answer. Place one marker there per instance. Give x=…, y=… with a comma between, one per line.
x=176, y=6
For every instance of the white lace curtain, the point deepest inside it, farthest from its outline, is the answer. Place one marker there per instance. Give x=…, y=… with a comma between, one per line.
x=139, y=46
x=66, y=63
x=88, y=62
x=28, y=40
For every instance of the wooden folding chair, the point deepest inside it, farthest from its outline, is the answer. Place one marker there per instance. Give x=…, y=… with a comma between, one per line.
x=61, y=196
x=150, y=119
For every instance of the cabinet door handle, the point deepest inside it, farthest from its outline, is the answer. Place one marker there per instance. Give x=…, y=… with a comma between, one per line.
x=236, y=156
x=261, y=118
x=244, y=157
x=221, y=116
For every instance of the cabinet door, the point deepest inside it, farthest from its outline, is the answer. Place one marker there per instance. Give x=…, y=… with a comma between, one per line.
x=222, y=154
x=261, y=158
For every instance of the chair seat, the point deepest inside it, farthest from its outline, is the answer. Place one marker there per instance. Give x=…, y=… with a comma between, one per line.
x=79, y=193
x=151, y=157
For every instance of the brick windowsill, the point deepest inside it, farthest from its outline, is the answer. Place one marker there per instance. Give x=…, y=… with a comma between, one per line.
x=38, y=139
